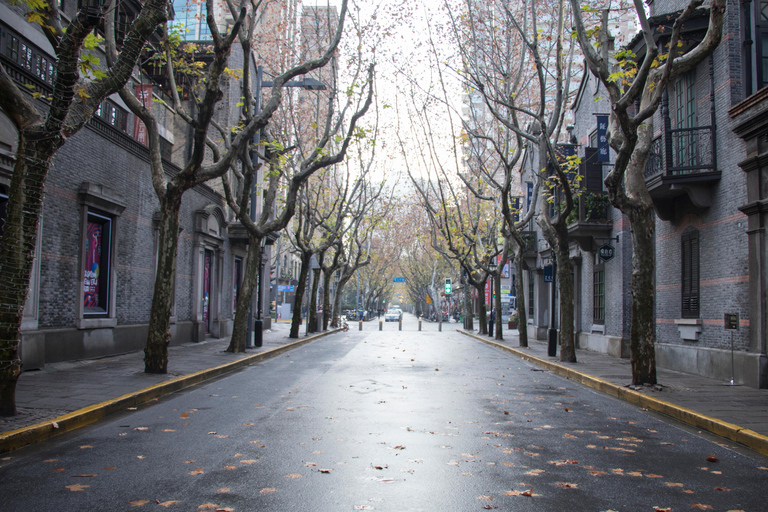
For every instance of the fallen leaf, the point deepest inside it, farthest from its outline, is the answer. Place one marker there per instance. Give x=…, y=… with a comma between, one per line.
x=50, y=460
x=567, y=485
x=597, y=473
x=310, y=464
x=109, y=468
x=77, y=487
x=673, y=484
x=184, y=415
x=168, y=430
x=225, y=509
x=535, y=472
x=188, y=462
x=90, y=475
x=722, y=489
x=141, y=428
x=702, y=506
x=325, y=471
x=54, y=424
x=197, y=471
x=141, y=457
x=167, y=504
x=659, y=509
x=267, y=490
x=208, y=506
x=399, y=447
x=138, y=503
x=58, y=470
x=712, y=458
x=651, y=475
x=249, y=461
x=293, y=475
x=231, y=466
x=86, y=446
x=223, y=489
x=485, y=498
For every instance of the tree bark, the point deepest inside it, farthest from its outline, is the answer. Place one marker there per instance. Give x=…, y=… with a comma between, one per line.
x=159, y=336
x=565, y=287
x=312, y=313
x=522, y=318
x=298, y=298
x=483, y=321
x=326, y=298
x=643, y=328
x=238, y=341
x=469, y=323
x=17, y=252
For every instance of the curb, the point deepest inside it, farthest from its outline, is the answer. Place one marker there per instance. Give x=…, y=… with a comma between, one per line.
x=747, y=437
x=18, y=438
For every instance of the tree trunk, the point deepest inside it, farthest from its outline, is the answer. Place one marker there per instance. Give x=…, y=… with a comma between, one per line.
x=239, y=339
x=469, y=323
x=159, y=335
x=17, y=251
x=565, y=287
x=522, y=319
x=498, y=335
x=337, y=300
x=643, y=328
x=298, y=297
x=326, y=298
x=312, y=314
x=483, y=321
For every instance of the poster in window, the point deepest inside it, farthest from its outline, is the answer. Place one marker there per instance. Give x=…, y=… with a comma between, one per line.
x=206, y=286
x=92, y=264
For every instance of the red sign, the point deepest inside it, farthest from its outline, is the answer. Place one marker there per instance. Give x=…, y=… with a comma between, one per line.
x=144, y=95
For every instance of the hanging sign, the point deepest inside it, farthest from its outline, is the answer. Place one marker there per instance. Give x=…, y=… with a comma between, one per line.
x=606, y=252
x=548, y=273
x=602, y=139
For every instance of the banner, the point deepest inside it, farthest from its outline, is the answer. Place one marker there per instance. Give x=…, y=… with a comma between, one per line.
x=602, y=139
x=144, y=95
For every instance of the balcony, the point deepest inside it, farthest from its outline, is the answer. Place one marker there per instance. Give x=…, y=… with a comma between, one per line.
x=682, y=165
x=590, y=221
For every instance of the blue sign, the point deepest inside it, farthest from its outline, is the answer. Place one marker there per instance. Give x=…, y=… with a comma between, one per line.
x=548, y=273
x=398, y=279
x=285, y=288
x=602, y=139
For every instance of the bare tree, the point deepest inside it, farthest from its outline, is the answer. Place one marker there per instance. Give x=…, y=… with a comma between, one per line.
x=78, y=90
x=635, y=93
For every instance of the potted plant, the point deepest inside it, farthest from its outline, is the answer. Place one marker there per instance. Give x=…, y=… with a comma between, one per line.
x=512, y=324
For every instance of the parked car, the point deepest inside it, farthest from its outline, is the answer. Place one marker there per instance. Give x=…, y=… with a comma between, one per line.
x=393, y=315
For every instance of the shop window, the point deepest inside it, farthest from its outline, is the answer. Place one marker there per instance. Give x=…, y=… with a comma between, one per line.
x=101, y=208
x=690, y=273
x=97, y=265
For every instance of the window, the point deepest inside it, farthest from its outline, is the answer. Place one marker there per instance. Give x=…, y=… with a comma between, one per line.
x=531, y=287
x=754, y=54
x=101, y=208
x=190, y=19
x=690, y=271
x=598, y=294
x=236, y=279
x=97, y=265
x=685, y=120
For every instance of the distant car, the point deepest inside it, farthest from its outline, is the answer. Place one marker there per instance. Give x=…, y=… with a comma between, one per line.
x=393, y=315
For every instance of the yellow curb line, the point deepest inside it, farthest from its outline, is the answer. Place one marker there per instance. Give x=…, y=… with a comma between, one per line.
x=24, y=436
x=747, y=437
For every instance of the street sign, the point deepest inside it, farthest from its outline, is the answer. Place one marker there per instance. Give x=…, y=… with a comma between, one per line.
x=285, y=288
x=606, y=252
x=547, y=273
x=731, y=321
x=398, y=279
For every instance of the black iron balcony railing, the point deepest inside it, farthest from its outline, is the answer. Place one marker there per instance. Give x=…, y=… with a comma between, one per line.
x=682, y=151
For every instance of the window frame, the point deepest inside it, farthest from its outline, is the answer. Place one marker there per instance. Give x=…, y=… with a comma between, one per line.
x=598, y=294
x=98, y=202
x=531, y=293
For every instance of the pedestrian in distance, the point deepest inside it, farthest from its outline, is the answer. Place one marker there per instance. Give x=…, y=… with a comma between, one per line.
x=492, y=322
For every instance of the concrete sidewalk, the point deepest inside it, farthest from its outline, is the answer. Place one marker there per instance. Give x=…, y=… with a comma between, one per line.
x=739, y=413
x=64, y=396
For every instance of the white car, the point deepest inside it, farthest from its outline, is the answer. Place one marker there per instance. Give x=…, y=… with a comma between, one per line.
x=393, y=315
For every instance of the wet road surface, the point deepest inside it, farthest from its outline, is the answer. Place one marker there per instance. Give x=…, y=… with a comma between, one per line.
x=390, y=421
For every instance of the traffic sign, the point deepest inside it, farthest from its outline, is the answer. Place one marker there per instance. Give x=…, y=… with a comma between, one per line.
x=398, y=279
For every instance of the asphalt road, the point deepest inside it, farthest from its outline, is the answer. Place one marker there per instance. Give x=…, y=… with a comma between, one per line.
x=390, y=421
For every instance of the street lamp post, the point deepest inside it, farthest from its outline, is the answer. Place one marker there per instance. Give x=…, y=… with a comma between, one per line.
x=254, y=331
x=492, y=268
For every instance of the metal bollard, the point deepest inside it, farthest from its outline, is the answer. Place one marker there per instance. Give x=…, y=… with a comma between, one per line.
x=419, y=324
x=379, y=324
x=439, y=326
x=361, y=324
x=400, y=325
